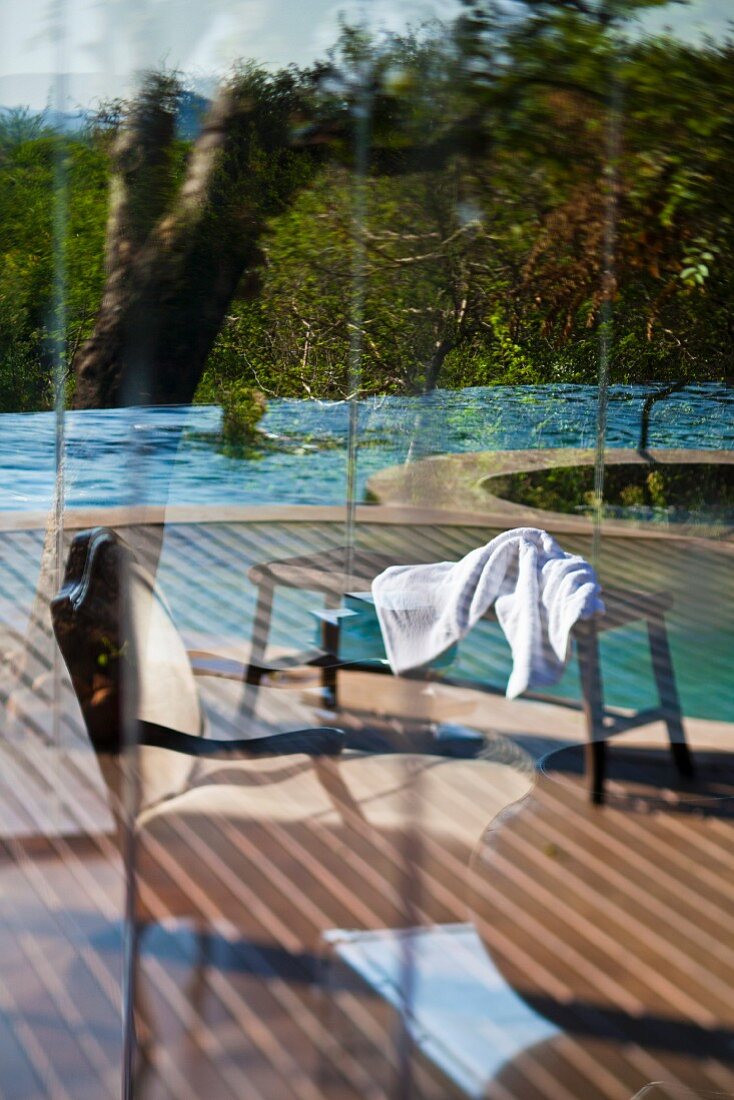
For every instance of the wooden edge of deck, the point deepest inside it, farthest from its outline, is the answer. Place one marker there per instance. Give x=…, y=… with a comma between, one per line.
x=156, y=515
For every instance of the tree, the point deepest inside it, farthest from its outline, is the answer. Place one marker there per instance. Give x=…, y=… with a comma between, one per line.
x=177, y=254
x=430, y=271
x=629, y=140
x=32, y=159
x=550, y=183
x=497, y=219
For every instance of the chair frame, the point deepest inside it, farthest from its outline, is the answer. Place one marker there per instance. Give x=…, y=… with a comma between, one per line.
x=112, y=731
x=332, y=573
x=72, y=617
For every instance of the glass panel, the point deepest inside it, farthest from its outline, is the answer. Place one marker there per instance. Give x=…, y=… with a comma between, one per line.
x=62, y=893
x=440, y=289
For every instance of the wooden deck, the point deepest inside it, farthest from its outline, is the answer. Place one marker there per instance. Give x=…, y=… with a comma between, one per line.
x=233, y=1016
x=616, y=924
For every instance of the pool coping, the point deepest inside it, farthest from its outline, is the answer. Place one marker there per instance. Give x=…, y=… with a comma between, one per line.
x=402, y=494
x=452, y=481
x=79, y=519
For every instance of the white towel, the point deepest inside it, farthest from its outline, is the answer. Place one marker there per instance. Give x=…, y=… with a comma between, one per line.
x=538, y=590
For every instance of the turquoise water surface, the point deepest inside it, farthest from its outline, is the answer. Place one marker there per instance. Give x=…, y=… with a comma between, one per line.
x=171, y=454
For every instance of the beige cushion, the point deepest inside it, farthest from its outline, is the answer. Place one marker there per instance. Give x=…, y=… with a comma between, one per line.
x=167, y=694
x=285, y=848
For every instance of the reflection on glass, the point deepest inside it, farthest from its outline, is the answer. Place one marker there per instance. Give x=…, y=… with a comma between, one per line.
x=269, y=327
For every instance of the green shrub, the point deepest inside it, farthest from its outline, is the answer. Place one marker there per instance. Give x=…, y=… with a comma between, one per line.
x=675, y=489
x=243, y=407
x=632, y=496
x=658, y=489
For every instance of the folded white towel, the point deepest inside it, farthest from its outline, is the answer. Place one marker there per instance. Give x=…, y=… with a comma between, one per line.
x=538, y=590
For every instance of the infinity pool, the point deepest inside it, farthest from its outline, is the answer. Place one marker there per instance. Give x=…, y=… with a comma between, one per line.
x=172, y=454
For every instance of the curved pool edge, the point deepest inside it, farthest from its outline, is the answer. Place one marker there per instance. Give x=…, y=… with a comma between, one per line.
x=453, y=481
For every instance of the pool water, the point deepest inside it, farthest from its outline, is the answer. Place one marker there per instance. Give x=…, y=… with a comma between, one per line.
x=172, y=454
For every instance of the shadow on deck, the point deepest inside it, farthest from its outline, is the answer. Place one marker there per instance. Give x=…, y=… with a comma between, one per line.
x=613, y=925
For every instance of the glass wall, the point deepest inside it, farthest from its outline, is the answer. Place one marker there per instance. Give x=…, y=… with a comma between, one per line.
x=366, y=604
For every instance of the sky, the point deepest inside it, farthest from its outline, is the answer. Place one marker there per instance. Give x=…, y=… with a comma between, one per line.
x=100, y=44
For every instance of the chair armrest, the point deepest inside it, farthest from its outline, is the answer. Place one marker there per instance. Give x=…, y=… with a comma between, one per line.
x=320, y=741
x=211, y=664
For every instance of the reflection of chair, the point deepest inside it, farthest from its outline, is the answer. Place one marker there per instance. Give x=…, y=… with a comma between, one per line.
x=326, y=573
x=454, y=1009
x=282, y=848
x=617, y=926
x=623, y=607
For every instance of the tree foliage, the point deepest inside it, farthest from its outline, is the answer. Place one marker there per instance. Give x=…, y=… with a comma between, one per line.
x=36, y=167
x=465, y=206
x=522, y=174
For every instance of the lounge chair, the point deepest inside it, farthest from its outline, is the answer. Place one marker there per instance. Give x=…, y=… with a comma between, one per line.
x=293, y=838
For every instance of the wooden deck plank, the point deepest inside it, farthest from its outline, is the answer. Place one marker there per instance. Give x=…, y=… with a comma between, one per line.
x=254, y=1023
x=611, y=961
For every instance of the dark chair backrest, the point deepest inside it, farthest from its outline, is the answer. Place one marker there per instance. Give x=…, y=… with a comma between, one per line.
x=125, y=656
x=134, y=681
x=117, y=637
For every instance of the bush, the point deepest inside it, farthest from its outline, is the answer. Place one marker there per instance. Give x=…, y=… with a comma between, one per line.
x=673, y=490
x=243, y=407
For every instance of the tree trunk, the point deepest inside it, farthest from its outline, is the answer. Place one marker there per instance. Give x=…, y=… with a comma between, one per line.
x=174, y=268
x=140, y=189
x=436, y=362
x=650, y=400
